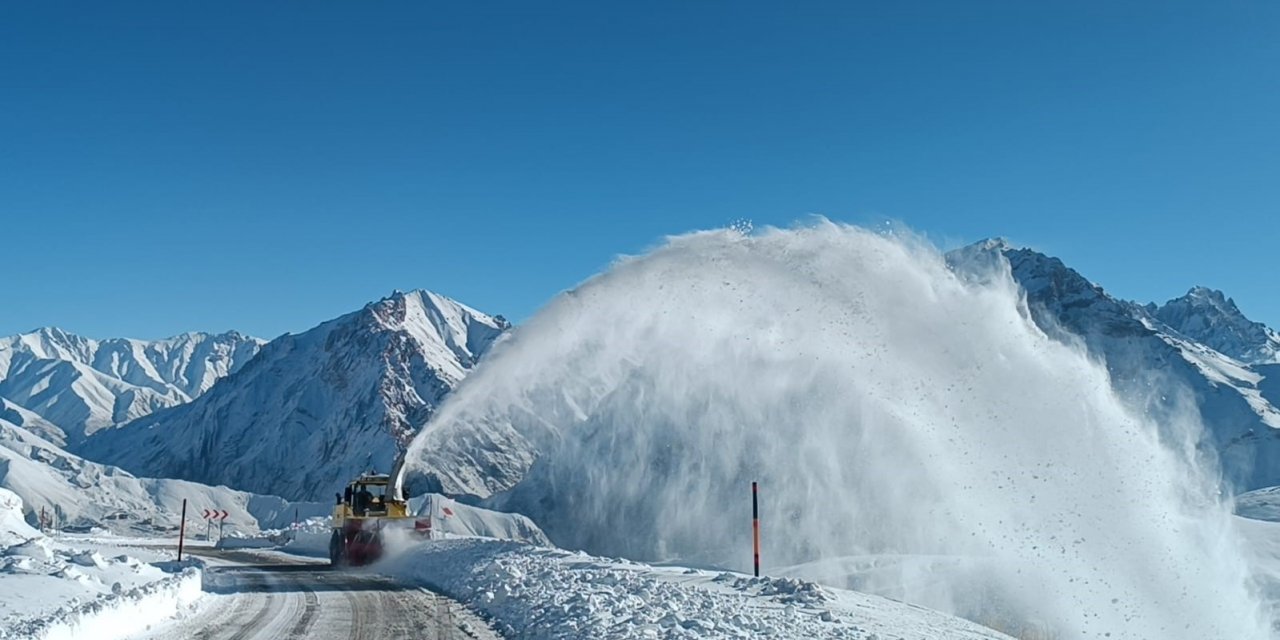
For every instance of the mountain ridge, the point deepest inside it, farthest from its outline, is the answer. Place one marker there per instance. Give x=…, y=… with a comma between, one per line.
x=84, y=384
x=1209, y=317
x=1236, y=400
x=350, y=391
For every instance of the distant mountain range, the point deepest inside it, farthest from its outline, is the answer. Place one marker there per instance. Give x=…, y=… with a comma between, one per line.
x=1212, y=319
x=313, y=410
x=69, y=386
x=1200, y=344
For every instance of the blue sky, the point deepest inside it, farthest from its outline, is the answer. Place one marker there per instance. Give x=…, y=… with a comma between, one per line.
x=265, y=166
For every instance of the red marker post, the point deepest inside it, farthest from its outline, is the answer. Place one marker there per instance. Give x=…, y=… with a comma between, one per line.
x=755, y=524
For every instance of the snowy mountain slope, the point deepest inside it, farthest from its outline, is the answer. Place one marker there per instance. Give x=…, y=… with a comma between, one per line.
x=316, y=408
x=89, y=494
x=1210, y=318
x=82, y=385
x=1151, y=362
x=18, y=416
x=1259, y=504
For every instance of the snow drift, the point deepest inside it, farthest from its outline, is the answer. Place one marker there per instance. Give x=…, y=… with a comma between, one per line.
x=450, y=518
x=889, y=408
x=535, y=593
x=52, y=591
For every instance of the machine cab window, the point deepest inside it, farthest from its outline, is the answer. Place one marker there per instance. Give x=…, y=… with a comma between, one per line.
x=367, y=496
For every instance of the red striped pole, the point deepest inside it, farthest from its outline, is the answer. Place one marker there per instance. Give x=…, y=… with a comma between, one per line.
x=755, y=524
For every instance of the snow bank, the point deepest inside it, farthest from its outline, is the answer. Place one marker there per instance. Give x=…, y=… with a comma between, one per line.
x=117, y=615
x=538, y=593
x=309, y=537
x=314, y=544
x=255, y=542
x=50, y=590
x=452, y=518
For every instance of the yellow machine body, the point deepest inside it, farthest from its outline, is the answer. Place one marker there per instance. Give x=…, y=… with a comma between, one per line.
x=368, y=506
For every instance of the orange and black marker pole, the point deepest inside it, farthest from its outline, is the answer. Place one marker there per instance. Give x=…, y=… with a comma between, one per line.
x=755, y=524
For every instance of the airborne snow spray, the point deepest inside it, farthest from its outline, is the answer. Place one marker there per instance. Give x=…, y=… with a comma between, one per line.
x=920, y=436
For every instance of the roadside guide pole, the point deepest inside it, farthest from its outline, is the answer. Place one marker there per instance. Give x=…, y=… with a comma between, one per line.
x=182, y=528
x=755, y=524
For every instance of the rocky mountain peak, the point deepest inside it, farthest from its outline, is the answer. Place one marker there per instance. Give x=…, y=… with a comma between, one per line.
x=1210, y=317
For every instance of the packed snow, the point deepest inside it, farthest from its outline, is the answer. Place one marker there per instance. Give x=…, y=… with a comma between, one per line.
x=449, y=517
x=538, y=593
x=52, y=590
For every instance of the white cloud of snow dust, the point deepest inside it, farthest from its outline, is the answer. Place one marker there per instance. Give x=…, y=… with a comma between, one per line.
x=908, y=426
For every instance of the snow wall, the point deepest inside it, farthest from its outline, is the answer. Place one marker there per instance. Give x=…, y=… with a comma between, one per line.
x=906, y=423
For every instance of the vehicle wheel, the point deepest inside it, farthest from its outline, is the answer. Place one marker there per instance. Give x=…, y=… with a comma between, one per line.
x=337, y=547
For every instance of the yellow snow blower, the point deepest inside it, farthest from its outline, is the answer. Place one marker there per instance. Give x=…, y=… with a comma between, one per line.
x=369, y=506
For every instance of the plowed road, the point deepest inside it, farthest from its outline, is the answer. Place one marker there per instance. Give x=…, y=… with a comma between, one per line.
x=252, y=596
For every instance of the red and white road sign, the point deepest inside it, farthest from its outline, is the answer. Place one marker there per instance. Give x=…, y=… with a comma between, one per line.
x=223, y=515
x=206, y=514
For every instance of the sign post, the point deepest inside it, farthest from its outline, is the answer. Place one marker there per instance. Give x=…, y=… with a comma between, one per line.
x=182, y=528
x=755, y=524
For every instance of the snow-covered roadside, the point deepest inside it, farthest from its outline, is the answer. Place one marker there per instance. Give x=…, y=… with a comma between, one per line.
x=115, y=615
x=539, y=593
x=51, y=590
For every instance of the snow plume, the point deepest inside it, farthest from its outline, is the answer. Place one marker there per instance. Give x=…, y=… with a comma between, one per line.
x=895, y=414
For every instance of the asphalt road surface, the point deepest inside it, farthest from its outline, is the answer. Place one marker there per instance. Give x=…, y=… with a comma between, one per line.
x=252, y=596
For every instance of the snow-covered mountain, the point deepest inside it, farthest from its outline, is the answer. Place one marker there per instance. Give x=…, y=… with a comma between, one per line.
x=314, y=409
x=86, y=494
x=1199, y=344
x=1210, y=318
x=77, y=385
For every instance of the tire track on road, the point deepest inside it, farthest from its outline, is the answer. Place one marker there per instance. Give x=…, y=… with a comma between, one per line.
x=311, y=608
x=250, y=628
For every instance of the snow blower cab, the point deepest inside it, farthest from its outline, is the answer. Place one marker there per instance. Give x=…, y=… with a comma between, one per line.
x=364, y=511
